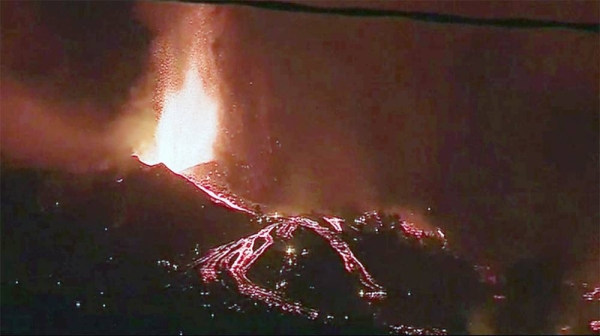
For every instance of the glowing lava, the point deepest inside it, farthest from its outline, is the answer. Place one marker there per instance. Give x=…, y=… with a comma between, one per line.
x=237, y=258
x=218, y=197
x=187, y=127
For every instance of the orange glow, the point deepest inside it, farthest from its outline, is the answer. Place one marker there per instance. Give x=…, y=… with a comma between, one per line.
x=187, y=127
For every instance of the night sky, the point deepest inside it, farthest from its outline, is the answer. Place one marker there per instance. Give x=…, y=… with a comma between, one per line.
x=495, y=129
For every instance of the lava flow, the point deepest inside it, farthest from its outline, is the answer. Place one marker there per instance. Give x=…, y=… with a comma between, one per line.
x=237, y=257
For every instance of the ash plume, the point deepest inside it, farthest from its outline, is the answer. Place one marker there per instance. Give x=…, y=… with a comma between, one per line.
x=283, y=127
x=67, y=73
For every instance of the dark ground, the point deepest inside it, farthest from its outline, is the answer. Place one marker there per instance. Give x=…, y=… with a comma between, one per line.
x=95, y=255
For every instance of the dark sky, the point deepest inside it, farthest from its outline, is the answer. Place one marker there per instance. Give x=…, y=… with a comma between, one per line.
x=495, y=129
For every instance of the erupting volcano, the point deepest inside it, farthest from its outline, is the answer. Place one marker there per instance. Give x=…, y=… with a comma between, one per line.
x=291, y=180
x=184, y=139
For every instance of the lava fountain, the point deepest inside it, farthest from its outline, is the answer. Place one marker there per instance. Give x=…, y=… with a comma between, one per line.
x=187, y=127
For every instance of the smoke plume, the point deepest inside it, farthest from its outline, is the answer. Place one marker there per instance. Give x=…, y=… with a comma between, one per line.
x=67, y=75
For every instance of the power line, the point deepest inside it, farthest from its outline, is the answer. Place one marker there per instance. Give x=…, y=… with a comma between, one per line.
x=510, y=23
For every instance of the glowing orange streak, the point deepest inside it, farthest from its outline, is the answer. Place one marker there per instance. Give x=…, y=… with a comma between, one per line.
x=218, y=198
x=335, y=222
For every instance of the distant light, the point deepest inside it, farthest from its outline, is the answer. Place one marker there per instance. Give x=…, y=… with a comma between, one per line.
x=78, y=304
x=290, y=250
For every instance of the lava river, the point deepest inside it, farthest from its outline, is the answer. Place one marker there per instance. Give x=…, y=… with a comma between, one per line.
x=237, y=257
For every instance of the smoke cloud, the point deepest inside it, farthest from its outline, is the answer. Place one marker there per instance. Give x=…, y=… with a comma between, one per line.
x=68, y=73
